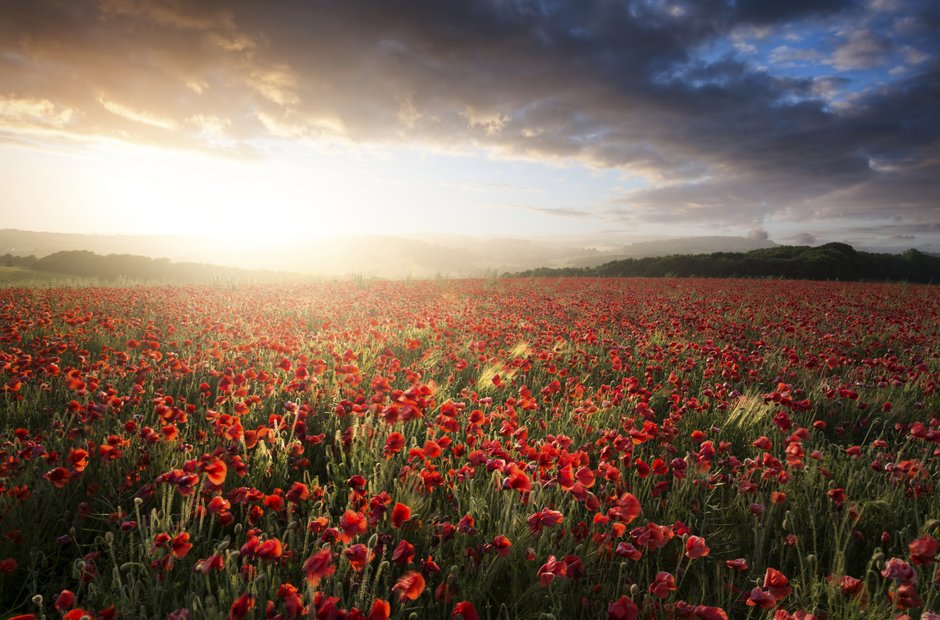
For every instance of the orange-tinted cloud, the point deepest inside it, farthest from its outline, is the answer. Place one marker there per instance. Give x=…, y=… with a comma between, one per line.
x=619, y=85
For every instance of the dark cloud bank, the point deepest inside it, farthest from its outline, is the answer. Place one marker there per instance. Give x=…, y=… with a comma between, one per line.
x=610, y=84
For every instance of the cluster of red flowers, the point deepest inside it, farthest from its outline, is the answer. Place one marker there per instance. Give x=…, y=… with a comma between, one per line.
x=578, y=447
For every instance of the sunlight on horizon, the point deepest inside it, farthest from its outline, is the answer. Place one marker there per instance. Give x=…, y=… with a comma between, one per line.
x=250, y=201
x=296, y=193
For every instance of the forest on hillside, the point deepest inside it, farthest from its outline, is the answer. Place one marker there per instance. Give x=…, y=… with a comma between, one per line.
x=832, y=261
x=83, y=263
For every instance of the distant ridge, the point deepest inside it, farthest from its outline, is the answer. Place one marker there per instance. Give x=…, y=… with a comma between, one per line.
x=380, y=256
x=86, y=264
x=832, y=261
x=384, y=256
x=669, y=247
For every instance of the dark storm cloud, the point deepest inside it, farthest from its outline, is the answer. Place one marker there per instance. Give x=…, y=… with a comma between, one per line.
x=763, y=12
x=611, y=84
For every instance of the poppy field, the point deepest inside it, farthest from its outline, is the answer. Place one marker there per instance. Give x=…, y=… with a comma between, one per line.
x=557, y=448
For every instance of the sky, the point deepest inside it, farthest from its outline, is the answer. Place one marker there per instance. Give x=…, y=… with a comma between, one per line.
x=803, y=121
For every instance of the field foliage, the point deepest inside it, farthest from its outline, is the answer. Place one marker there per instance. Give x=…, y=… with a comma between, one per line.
x=571, y=448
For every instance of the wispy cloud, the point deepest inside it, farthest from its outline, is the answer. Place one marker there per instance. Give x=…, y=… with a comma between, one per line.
x=557, y=211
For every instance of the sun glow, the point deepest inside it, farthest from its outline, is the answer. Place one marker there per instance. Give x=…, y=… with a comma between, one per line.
x=245, y=201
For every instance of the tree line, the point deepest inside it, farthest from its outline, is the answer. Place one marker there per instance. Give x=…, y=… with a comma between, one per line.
x=88, y=264
x=832, y=261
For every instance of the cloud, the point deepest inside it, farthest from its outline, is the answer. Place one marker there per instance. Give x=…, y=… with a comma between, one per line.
x=791, y=56
x=138, y=116
x=862, y=49
x=828, y=87
x=557, y=211
x=620, y=85
x=25, y=112
x=804, y=239
x=758, y=234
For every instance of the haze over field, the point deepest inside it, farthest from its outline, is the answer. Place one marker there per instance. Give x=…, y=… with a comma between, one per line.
x=373, y=255
x=465, y=136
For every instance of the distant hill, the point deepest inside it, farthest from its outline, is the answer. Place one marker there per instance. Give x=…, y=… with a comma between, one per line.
x=387, y=256
x=670, y=247
x=85, y=264
x=832, y=261
x=382, y=256
x=29, y=242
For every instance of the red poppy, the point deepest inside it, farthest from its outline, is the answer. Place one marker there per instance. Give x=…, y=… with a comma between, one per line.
x=59, y=477
x=544, y=518
x=850, y=586
x=241, y=607
x=292, y=600
x=706, y=612
x=622, y=609
x=180, y=545
x=275, y=503
x=352, y=524
x=78, y=459
x=923, y=550
x=381, y=610
x=837, y=496
x=409, y=586
x=695, y=547
x=777, y=584
x=218, y=505
x=502, y=545
x=906, y=596
x=215, y=471
x=464, y=610
x=358, y=556
x=517, y=480
x=400, y=514
x=393, y=444
x=270, y=549
x=318, y=566
x=739, y=564
x=297, y=493
x=759, y=597
x=551, y=569
x=65, y=600
x=898, y=570
x=652, y=535
x=629, y=506
x=663, y=584
x=213, y=562
x=627, y=550
x=404, y=553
